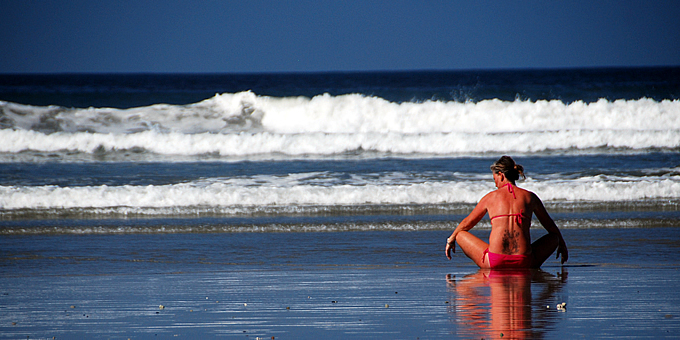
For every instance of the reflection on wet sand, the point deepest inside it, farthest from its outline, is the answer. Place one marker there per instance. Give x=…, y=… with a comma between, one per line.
x=495, y=304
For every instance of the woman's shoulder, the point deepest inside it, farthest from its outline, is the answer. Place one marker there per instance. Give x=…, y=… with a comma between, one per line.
x=530, y=197
x=487, y=199
x=490, y=195
x=528, y=192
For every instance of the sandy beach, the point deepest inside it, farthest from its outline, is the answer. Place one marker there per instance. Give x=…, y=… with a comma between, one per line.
x=619, y=283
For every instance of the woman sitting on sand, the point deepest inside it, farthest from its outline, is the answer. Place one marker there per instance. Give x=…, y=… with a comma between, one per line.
x=510, y=209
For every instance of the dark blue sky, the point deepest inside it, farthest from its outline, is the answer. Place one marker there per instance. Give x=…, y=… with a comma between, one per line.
x=343, y=35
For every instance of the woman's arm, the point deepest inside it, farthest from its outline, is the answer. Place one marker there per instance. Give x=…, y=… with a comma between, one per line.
x=549, y=225
x=466, y=224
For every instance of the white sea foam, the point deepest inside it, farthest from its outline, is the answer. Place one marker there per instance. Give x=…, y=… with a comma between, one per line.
x=246, y=124
x=268, y=191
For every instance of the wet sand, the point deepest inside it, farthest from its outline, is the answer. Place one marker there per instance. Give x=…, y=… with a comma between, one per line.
x=620, y=283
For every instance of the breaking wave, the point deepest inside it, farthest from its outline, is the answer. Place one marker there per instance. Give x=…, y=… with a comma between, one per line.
x=242, y=124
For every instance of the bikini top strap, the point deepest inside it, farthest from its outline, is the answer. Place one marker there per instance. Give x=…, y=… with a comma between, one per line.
x=511, y=190
x=518, y=217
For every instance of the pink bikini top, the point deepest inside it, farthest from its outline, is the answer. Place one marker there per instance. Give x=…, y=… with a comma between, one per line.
x=518, y=217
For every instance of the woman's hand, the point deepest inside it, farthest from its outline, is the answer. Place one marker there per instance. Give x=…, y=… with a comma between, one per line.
x=450, y=246
x=562, y=250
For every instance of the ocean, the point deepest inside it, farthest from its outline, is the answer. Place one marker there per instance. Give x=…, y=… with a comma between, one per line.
x=107, y=175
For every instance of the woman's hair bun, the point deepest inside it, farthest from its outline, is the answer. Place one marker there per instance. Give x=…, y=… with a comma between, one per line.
x=508, y=167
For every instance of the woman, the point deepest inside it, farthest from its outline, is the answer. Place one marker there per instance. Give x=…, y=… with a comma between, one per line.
x=510, y=209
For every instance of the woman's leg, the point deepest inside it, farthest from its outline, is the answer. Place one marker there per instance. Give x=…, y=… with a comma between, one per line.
x=473, y=248
x=543, y=248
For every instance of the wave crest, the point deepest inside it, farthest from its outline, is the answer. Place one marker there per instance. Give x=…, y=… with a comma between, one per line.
x=246, y=124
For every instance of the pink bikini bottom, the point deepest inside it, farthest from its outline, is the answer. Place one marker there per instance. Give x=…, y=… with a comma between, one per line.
x=497, y=261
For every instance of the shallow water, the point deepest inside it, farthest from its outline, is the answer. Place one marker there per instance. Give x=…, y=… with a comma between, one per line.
x=379, y=284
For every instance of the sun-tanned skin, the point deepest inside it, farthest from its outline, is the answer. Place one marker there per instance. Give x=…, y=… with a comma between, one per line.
x=507, y=236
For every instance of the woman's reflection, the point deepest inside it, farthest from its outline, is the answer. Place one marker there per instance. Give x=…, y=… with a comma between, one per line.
x=494, y=304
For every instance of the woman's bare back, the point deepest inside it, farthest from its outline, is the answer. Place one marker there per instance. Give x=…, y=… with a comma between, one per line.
x=510, y=209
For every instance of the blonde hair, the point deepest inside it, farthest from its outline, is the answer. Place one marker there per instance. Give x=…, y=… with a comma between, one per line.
x=509, y=168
